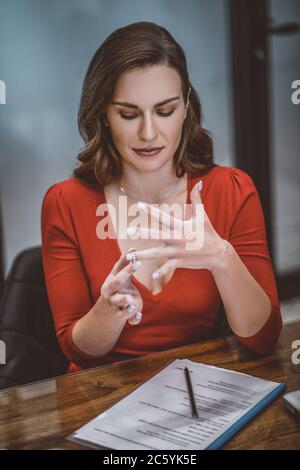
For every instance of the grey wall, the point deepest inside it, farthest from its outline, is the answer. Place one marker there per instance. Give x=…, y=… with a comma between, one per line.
x=45, y=48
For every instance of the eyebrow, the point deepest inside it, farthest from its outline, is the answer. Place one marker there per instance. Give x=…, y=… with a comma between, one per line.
x=130, y=105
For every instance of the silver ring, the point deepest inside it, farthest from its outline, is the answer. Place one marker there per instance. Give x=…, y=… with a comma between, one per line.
x=133, y=256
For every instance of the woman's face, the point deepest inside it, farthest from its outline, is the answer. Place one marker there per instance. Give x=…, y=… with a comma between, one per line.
x=147, y=110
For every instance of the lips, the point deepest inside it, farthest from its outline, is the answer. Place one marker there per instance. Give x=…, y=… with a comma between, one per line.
x=148, y=151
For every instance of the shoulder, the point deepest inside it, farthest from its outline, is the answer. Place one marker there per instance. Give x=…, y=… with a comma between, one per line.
x=225, y=180
x=229, y=195
x=70, y=191
x=70, y=187
x=233, y=176
x=226, y=175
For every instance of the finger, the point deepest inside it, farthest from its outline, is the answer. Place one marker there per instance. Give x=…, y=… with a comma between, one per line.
x=170, y=265
x=196, y=197
x=198, y=212
x=196, y=192
x=122, y=262
x=127, y=306
x=127, y=289
x=123, y=278
x=121, y=300
x=154, y=234
x=127, y=285
x=161, y=216
x=136, y=318
x=156, y=252
x=130, y=313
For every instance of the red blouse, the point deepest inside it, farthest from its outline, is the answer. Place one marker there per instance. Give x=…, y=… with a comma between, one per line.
x=76, y=263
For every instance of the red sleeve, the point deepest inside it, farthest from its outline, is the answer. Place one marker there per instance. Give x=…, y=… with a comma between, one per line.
x=66, y=281
x=248, y=237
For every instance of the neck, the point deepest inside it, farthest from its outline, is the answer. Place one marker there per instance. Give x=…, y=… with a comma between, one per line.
x=150, y=186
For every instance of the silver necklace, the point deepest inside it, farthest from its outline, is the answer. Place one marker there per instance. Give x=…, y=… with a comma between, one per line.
x=164, y=196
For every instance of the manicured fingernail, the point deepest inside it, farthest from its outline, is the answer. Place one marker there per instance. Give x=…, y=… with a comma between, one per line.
x=138, y=316
x=155, y=275
x=130, y=309
x=135, y=266
x=130, y=256
x=131, y=230
x=142, y=205
x=129, y=299
x=200, y=185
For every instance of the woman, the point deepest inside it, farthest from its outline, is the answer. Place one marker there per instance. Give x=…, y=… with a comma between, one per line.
x=115, y=296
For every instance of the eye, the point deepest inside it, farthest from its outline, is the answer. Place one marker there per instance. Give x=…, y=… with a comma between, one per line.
x=166, y=114
x=133, y=116
x=128, y=116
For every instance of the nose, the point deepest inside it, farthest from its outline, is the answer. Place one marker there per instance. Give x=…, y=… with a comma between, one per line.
x=148, y=130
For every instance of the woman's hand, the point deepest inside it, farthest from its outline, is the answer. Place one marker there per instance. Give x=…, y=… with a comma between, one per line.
x=197, y=245
x=120, y=293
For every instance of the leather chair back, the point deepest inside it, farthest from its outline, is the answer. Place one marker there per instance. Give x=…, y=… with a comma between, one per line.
x=26, y=325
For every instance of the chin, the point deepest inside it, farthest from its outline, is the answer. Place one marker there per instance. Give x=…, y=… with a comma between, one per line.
x=147, y=164
x=150, y=166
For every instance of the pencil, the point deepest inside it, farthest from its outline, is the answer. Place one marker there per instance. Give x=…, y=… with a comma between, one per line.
x=191, y=393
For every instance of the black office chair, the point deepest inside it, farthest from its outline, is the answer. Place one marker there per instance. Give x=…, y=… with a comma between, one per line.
x=26, y=325
x=222, y=328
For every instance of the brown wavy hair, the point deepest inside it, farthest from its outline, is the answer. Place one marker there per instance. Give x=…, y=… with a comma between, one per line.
x=131, y=47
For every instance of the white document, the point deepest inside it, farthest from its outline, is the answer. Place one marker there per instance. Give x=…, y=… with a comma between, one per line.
x=158, y=416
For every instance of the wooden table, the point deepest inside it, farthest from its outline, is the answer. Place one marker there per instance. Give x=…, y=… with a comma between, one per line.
x=42, y=415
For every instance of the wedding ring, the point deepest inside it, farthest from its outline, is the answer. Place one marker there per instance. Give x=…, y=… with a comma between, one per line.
x=131, y=256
